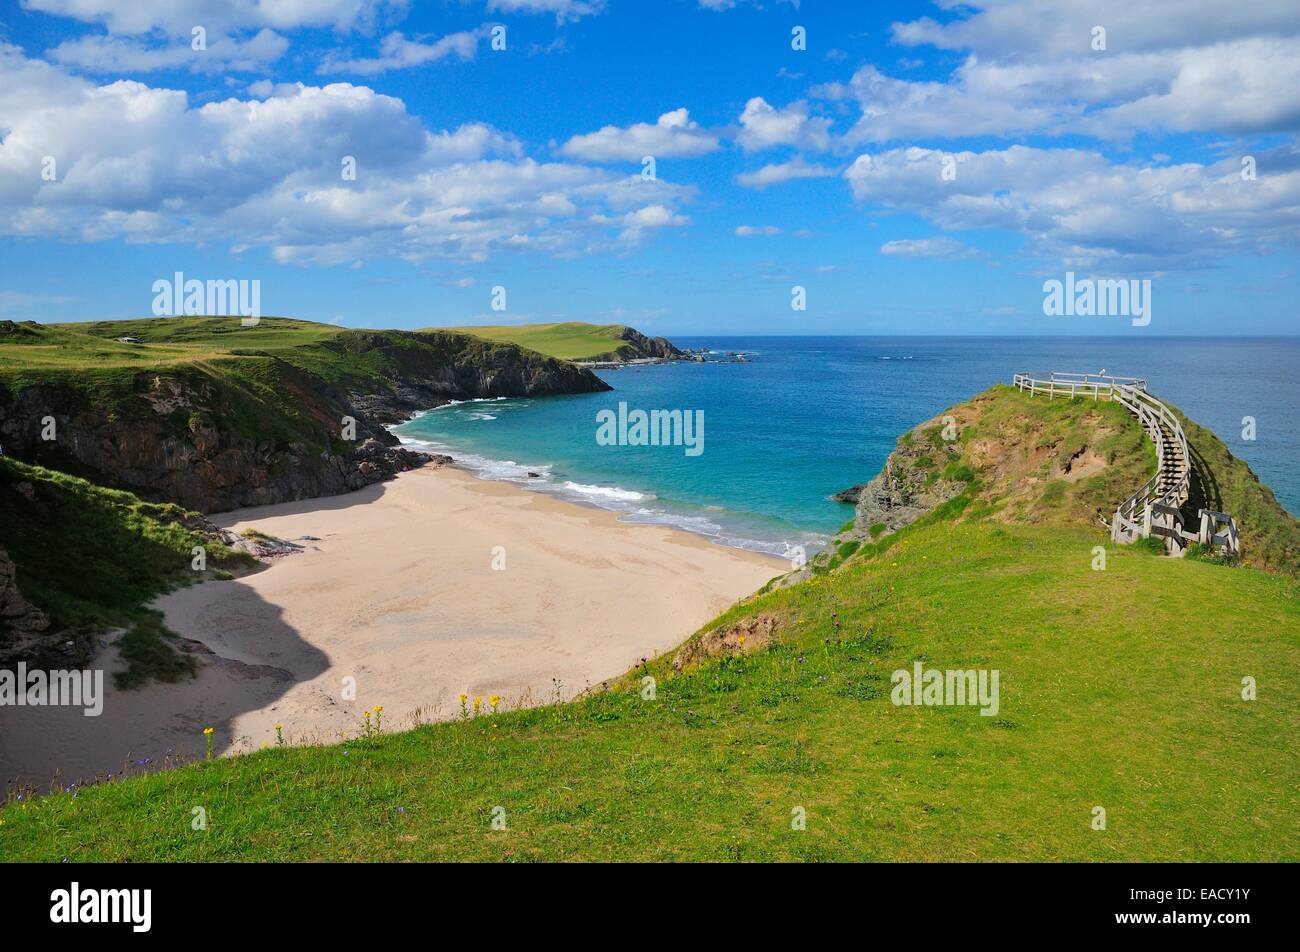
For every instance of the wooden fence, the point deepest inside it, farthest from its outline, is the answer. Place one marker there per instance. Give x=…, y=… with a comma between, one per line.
x=1155, y=509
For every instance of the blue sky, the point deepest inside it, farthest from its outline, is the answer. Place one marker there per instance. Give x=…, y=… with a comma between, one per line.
x=774, y=167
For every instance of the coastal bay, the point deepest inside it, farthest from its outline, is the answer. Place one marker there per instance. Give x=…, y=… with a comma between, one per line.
x=396, y=588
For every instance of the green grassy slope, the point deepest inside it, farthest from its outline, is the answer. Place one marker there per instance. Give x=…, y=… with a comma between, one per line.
x=1270, y=537
x=1112, y=695
x=570, y=340
x=90, y=558
x=36, y=351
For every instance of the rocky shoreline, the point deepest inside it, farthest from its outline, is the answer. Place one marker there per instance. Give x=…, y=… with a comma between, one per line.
x=652, y=350
x=647, y=348
x=686, y=357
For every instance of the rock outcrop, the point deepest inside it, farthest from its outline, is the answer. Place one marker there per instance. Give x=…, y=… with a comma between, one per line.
x=659, y=347
x=902, y=492
x=637, y=346
x=431, y=368
x=1020, y=460
x=25, y=633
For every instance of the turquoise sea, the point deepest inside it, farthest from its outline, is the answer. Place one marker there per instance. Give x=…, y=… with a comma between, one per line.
x=808, y=416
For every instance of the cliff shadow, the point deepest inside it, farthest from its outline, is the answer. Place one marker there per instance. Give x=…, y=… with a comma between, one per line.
x=348, y=500
x=249, y=659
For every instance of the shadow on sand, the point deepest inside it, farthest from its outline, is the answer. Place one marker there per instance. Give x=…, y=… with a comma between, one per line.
x=252, y=664
x=358, y=497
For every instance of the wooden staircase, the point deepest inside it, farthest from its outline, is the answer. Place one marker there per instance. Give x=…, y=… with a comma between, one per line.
x=1174, y=465
x=1157, y=507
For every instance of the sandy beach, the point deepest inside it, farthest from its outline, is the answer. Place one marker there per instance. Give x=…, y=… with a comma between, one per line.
x=406, y=594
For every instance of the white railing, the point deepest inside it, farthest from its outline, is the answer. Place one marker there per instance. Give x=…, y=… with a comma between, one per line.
x=1062, y=384
x=1155, y=508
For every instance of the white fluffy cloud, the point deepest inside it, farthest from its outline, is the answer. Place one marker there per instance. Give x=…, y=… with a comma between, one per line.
x=1064, y=27
x=775, y=174
x=1031, y=69
x=755, y=231
x=564, y=10
x=1242, y=87
x=637, y=223
x=1077, y=206
x=941, y=247
x=1238, y=87
x=238, y=35
x=108, y=54
x=762, y=127
x=674, y=135
x=397, y=52
x=178, y=17
x=143, y=164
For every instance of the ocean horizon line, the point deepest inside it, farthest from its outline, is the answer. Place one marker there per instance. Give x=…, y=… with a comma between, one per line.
x=696, y=334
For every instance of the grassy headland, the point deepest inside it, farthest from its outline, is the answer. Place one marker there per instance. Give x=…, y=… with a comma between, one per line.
x=358, y=360
x=570, y=340
x=213, y=415
x=1025, y=460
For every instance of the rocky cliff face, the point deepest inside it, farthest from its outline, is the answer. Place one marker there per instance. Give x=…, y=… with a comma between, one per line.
x=432, y=368
x=907, y=488
x=637, y=346
x=253, y=429
x=25, y=631
x=650, y=346
x=173, y=438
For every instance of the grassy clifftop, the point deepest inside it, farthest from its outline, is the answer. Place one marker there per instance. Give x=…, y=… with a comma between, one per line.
x=575, y=340
x=1121, y=688
x=355, y=360
x=213, y=415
